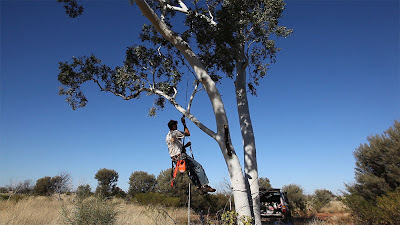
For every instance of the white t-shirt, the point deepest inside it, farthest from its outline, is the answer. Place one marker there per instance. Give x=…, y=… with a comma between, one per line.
x=174, y=142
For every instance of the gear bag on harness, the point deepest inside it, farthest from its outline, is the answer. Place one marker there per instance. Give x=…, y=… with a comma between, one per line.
x=180, y=166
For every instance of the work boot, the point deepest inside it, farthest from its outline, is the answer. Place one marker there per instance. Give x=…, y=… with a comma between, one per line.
x=207, y=188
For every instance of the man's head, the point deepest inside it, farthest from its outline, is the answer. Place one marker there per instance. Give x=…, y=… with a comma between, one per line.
x=173, y=124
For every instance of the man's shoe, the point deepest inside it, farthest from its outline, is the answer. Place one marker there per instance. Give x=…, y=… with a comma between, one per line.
x=207, y=189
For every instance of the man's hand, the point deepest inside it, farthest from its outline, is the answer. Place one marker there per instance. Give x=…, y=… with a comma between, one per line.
x=188, y=144
x=187, y=133
x=183, y=120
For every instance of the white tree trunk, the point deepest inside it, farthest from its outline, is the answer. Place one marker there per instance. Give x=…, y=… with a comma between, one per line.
x=240, y=192
x=250, y=159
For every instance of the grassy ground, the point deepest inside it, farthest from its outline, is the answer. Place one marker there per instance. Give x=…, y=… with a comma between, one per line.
x=47, y=211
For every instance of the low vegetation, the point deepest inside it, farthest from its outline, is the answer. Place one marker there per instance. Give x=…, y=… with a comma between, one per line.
x=373, y=199
x=39, y=210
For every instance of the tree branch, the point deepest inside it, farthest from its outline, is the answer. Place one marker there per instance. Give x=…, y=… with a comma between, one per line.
x=192, y=95
x=184, y=9
x=190, y=116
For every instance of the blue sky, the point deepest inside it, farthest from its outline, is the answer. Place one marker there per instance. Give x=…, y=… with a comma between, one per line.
x=336, y=81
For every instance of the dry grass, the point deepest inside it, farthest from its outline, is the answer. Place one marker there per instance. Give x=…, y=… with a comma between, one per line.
x=132, y=214
x=47, y=211
x=334, y=207
x=30, y=211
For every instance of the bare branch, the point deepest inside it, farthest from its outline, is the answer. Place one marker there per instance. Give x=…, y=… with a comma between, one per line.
x=175, y=93
x=192, y=96
x=190, y=116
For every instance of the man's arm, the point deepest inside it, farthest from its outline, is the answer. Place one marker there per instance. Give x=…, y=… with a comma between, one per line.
x=186, y=131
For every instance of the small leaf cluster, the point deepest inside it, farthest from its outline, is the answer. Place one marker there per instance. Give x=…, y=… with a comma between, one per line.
x=72, y=8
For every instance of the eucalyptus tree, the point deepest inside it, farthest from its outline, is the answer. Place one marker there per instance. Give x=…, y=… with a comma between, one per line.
x=215, y=39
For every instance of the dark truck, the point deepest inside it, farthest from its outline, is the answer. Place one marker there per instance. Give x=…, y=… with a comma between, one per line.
x=275, y=206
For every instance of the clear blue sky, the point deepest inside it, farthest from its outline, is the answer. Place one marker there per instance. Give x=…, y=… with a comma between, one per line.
x=336, y=81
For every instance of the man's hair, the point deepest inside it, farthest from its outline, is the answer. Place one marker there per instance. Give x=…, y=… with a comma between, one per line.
x=171, y=123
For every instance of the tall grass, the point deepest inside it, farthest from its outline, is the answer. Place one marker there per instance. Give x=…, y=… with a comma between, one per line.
x=30, y=211
x=50, y=211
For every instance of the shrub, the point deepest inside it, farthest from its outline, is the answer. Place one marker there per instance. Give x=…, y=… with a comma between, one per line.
x=83, y=191
x=389, y=208
x=296, y=197
x=141, y=181
x=231, y=218
x=152, y=198
x=321, y=198
x=374, y=196
x=90, y=211
x=3, y=190
x=364, y=211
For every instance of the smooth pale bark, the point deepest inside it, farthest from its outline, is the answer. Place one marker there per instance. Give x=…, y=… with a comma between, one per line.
x=235, y=171
x=250, y=159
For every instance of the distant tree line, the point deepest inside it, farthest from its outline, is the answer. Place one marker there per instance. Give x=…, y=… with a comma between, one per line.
x=374, y=198
x=145, y=188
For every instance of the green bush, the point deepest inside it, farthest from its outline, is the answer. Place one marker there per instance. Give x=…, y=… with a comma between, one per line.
x=83, y=191
x=296, y=197
x=321, y=198
x=151, y=198
x=232, y=217
x=90, y=211
x=389, y=206
x=374, y=197
x=3, y=190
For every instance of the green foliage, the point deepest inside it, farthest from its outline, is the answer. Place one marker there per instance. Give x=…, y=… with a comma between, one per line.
x=264, y=183
x=180, y=191
x=72, y=8
x=374, y=196
x=296, y=197
x=237, y=32
x=107, y=181
x=232, y=218
x=382, y=211
x=321, y=198
x=118, y=192
x=151, y=198
x=141, y=181
x=377, y=164
x=83, y=191
x=14, y=197
x=243, y=30
x=3, y=190
x=90, y=211
x=389, y=206
x=43, y=186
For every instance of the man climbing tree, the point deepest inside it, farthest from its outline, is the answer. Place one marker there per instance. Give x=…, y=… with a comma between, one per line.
x=231, y=37
x=178, y=154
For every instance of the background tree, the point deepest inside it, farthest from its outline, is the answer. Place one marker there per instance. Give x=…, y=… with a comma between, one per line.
x=61, y=183
x=264, y=183
x=43, y=186
x=321, y=198
x=83, y=191
x=17, y=187
x=296, y=197
x=230, y=37
x=141, y=181
x=377, y=174
x=107, y=181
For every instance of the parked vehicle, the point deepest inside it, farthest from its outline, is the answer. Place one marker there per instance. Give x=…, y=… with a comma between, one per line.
x=275, y=206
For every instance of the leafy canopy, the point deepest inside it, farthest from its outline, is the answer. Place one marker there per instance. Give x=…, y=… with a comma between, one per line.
x=221, y=33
